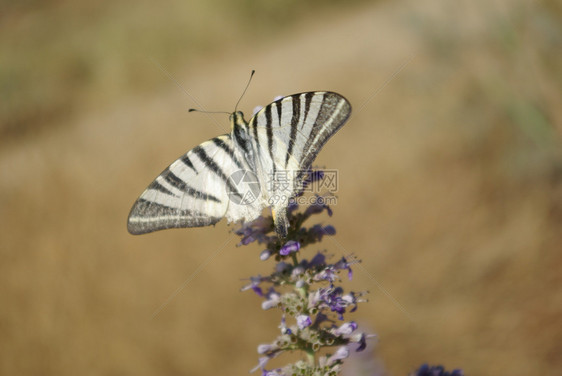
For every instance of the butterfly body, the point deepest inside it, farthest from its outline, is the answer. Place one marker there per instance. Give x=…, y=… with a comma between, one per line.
x=259, y=164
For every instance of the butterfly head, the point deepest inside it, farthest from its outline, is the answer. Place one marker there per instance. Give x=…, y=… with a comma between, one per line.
x=237, y=119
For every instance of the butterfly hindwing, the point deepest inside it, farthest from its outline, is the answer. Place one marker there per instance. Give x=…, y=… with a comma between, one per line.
x=196, y=190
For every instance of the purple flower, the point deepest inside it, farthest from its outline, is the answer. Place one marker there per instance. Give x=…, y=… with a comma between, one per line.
x=341, y=353
x=289, y=247
x=426, y=370
x=273, y=299
x=297, y=272
x=262, y=361
x=343, y=264
x=303, y=321
x=328, y=274
x=346, y=328
x=265, y=254
x=361, y=339
x=317, y=232
x=274, y=372
x=255, y=281
x=267, y=348
x=330, y=230
x=318, y=207
x=283, y=326
x=282, y=267
x=256, y=231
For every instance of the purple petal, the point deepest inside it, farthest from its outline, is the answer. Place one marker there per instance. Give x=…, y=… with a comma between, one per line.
x=265, y=254
x=257, y=290
x=266, y=348
x=346, y=328
x=261, y=363
x=303, y=321
x=341, y=353
x=290, y=247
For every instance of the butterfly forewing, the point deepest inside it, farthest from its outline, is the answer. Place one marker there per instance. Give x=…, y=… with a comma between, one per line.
x=193, y=191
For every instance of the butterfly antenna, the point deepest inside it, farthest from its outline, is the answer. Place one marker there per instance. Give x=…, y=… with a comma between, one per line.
x=246, y=88
x=207, y=112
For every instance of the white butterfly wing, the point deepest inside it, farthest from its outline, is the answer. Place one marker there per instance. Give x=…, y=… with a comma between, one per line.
x=198, y=189
x=287, y=136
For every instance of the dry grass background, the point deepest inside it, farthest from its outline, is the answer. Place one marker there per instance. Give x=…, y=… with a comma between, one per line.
x=450, y=179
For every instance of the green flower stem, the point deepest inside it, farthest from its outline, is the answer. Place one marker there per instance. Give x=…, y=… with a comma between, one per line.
x=295, y=260
x=310, y=357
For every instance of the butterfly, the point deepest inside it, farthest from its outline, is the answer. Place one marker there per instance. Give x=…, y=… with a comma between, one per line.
x=260, y=163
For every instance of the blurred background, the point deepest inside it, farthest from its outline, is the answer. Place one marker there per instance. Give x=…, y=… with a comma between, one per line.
x=450, y=185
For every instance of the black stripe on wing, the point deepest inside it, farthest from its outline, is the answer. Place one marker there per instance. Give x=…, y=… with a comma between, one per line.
x=334, y=112
x=160, y=188
x=228, y=150
x=296, y=106
x=185, y=159
x=279, y=111
x=269, y=132
x=307, y=101
x=147, y=216
x=213, y=166
x=176, y=182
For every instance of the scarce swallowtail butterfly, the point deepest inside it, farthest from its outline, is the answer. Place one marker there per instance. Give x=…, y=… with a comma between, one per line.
x=237, y=175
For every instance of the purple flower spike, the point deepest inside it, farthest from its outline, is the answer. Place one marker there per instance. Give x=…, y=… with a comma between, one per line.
x=290, y=247
x=306, y=291
x=303, y=321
